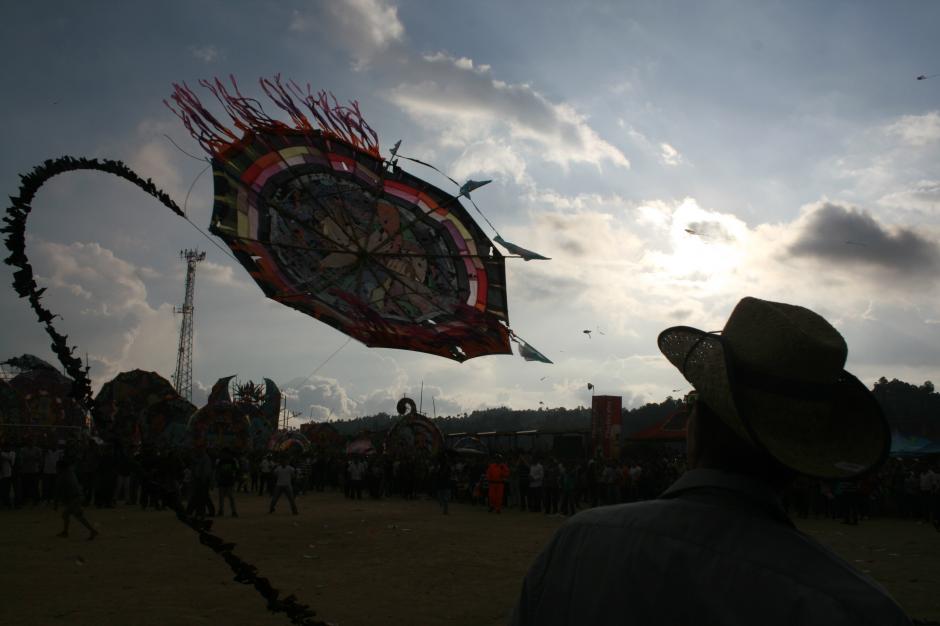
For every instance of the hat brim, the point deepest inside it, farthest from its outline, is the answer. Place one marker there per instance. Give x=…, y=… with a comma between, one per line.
x=842, y=435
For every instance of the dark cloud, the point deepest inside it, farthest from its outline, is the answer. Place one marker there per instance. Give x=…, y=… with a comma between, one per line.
x=713, y=231
x=572, y=246
x=680, y=314
x=844, y=235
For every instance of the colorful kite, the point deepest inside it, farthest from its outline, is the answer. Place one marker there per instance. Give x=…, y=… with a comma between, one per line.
x=48, y=410
x=327, y=226
x=288, y=441
x=324, y=225
x=322, y=436
x=120, y=404
x=413, y=433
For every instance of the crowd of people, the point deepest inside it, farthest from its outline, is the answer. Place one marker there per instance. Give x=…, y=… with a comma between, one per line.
x=519, y=480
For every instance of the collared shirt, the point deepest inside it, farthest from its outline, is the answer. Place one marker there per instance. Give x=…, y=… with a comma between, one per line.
x=716, y=548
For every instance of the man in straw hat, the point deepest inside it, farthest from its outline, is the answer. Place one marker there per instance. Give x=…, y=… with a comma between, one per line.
x=773, y=402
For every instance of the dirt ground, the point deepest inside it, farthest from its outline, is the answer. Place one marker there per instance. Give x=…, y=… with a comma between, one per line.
x=362, y=562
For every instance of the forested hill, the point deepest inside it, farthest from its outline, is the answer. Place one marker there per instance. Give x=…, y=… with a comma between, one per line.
x=911, y=410
x=506, y=419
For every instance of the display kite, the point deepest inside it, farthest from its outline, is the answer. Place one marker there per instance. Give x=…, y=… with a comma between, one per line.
x=326, y=226
x=119, y=407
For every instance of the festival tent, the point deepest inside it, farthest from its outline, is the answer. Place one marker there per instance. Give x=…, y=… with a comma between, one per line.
x=672, y=428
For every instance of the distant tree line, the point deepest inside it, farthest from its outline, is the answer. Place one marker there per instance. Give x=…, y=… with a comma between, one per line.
x=546, y=419
x=911, y=410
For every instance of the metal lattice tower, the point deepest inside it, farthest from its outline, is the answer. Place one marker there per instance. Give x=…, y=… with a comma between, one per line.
x=183, y=378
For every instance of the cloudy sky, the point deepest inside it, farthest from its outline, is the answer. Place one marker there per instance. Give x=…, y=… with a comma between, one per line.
x=791, y=138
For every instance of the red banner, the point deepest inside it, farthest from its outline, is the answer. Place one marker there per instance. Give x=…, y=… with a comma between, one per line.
x=605, y=425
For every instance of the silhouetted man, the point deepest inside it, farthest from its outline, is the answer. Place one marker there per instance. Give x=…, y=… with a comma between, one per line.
x=773, y=401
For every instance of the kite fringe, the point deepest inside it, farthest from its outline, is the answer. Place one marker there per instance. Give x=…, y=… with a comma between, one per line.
x=247, y=115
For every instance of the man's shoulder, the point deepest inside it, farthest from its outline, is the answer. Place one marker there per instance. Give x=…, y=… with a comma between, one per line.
x=710, y=539
x=622, y=515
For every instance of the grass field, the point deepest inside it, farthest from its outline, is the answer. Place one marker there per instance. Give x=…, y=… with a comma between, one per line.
x=362, y=562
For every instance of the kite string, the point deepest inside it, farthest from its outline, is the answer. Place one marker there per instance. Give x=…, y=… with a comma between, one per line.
x=467, y=195
x=196, y=226
x=321, y=365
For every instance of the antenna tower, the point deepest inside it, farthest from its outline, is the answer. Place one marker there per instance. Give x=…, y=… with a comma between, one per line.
x=183, y=378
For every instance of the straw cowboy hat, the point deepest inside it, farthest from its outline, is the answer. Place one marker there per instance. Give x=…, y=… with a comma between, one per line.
x=776, y=375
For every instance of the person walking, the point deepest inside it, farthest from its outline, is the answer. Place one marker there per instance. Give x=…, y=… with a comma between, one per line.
x=772, y=401
x=69, y=493
x=226, y=474
x=200, y=504
x=443, y=481
x=283, y=476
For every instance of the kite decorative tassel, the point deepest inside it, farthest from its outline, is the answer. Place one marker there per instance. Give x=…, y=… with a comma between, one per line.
x=333, y=119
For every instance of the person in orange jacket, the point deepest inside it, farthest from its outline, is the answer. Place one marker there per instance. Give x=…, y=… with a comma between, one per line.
x=496, y=475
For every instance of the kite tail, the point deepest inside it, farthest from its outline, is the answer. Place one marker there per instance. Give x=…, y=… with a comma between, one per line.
x=341, y=122
x=23, y=278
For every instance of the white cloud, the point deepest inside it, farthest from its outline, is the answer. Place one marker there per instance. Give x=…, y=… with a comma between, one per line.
x=669, y=155
x=490, y=157
x=157, y=159
x=224, y=275
x=466, y=104
x=365, y=28
x=924, y=195
x=320, y=398
x=114, y=322
x=206, y=54
x=917, y=130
